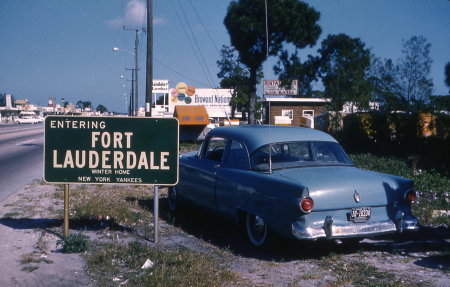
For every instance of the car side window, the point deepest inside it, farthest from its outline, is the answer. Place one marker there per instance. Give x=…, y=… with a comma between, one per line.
x=324, y=152
x=238, y=156
x=214, y=149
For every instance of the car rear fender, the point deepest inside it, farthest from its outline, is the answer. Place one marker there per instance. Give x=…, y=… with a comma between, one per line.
x=274, y=200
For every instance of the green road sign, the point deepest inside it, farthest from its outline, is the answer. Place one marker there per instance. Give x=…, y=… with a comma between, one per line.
x=111, y=150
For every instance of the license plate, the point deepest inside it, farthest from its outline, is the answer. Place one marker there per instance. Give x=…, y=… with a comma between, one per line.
x=360, y=214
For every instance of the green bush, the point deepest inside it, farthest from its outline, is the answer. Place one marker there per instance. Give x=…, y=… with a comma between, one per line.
x=433, y=187
x=74, y=243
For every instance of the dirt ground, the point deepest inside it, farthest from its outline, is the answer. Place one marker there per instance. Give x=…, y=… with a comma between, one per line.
x=29, y=231
x=28, y=246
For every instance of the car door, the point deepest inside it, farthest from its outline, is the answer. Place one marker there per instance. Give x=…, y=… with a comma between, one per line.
x=231, y=175
x=204, y=172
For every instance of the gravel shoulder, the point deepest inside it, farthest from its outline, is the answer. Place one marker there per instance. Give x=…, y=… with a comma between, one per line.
x=28, y=242
x=30, y=225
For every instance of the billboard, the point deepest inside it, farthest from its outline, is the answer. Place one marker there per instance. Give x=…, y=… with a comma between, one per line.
x=216, y=101
x=111, y=150
x=274, y=88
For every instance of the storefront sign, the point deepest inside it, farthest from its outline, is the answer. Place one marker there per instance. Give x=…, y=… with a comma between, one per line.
x=160, y=86
x=274, y=88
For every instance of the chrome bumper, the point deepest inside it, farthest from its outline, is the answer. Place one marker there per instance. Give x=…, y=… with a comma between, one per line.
x=330, y=230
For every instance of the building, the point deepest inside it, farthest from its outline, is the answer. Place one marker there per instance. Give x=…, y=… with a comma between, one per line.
x=292, y=111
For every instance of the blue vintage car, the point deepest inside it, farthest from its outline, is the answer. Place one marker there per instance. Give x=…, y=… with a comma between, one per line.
x=291, y=181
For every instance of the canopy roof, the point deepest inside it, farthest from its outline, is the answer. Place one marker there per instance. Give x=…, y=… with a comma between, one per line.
x=191, y=115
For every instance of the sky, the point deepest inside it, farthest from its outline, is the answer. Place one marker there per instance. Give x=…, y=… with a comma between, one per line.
x=64, y=48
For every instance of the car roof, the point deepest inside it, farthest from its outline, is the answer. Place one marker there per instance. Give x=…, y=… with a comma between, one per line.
x=255, y=136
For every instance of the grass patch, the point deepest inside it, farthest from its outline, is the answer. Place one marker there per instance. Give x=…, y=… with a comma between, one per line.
x=29, y=258
x=122, y=264
x=74, y=243
x=34, y=257
x=30, y=268
x=127, y=206
x=188, y=146
x=11, y=214
x=434, y=187
x=360, y=273
x=37, y=256
x=41, y=244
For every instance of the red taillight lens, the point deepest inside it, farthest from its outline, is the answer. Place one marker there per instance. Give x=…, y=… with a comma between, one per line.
x=306, y=204
x=411, y=196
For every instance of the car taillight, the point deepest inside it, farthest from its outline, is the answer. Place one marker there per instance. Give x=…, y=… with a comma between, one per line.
x=306, y=204
x=411, y=196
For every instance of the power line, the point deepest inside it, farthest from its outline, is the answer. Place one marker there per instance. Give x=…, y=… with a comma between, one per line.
x=188, y=38
x=204, y=27
x=179, y=73
x=208, y=73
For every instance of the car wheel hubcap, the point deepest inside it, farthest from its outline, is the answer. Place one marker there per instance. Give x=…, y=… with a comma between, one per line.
x=258, y=224
x=256, y=229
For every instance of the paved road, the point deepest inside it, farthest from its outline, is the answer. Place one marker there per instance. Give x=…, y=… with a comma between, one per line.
x=21, y=156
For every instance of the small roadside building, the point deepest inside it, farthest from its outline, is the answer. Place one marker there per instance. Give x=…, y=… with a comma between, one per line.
x=193, y=120
x=292, y=111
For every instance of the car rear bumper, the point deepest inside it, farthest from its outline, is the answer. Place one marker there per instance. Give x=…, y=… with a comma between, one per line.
x=330, y=230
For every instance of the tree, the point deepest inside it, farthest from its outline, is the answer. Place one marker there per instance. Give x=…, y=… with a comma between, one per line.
x=414, y=73
x=383, y=78
x=288, y=21
x=290, y=67
x=447, y=75
x=235, y=76
x=343, y=64
x=83, y=105
x=101, y=109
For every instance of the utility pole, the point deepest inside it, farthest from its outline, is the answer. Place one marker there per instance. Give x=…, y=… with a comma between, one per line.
x=131, y=109
x=148, y=109
x=149, y=69
x=136, y=69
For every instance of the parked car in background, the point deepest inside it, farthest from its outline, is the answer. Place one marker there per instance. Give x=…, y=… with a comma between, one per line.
x=28, y=118
x=291, y=181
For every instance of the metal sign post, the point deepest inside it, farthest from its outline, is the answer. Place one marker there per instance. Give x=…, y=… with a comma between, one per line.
x=155, y=214
x=66, y=210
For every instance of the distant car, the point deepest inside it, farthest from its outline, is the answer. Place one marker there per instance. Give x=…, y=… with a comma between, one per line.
x=295, y=182
x=28, y=117
x=26, y=120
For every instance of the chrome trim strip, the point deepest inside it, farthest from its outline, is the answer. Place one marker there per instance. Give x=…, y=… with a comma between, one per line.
x=329, y=230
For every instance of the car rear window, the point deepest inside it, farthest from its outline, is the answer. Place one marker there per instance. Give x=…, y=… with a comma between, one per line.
x=298, y=154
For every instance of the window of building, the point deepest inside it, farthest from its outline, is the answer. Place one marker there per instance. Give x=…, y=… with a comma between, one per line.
x=308, y=113
x=288, y=113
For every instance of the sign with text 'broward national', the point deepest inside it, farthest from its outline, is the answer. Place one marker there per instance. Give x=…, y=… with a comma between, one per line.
x=111, y=150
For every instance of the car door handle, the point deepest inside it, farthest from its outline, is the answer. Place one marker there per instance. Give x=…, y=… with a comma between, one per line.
x=217, y=166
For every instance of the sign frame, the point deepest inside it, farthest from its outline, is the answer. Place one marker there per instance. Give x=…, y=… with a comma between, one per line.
x=111, y=150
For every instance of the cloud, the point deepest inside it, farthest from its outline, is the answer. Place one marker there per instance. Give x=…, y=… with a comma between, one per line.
x=135, y=15
x=158, y=21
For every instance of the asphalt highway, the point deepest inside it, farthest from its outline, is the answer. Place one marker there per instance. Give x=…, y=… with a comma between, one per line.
x=21, y=156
